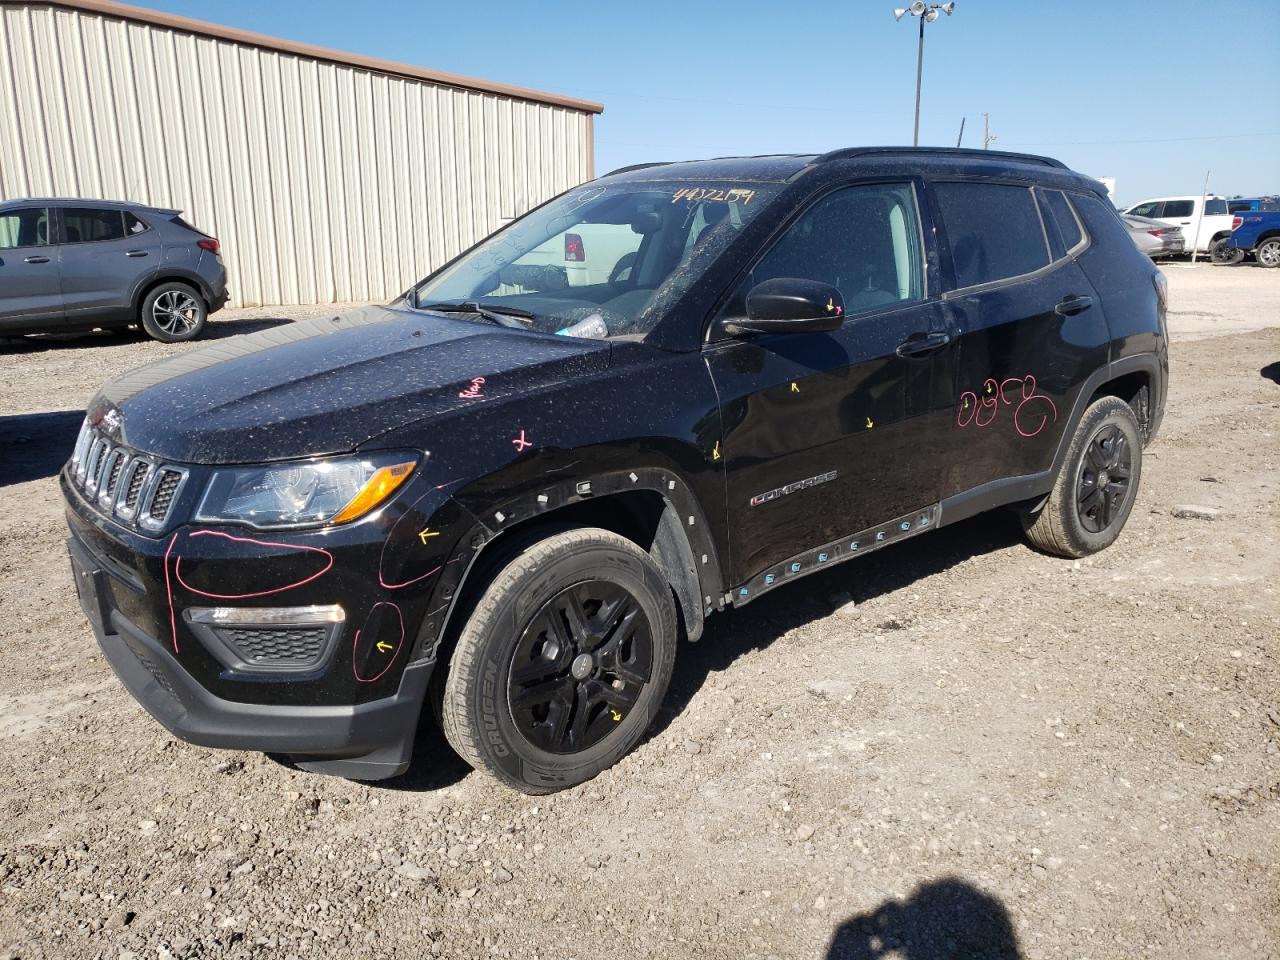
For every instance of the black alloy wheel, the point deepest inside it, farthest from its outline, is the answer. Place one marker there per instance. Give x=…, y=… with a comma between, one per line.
x=1104, y=479
x=1096, y=485
x=579, y=667
x=564, y=653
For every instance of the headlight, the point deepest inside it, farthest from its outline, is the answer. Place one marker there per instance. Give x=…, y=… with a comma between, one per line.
x=303, y=494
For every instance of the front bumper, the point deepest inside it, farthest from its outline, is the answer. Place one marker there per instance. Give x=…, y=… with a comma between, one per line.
x=365, y=741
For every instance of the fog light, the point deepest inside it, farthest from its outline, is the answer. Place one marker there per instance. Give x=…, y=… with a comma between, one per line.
x=268, y=639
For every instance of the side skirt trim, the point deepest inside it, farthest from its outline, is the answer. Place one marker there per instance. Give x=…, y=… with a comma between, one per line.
x=820, y=558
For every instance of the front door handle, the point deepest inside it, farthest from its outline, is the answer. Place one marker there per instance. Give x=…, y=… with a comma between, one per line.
x=135, y=253
x=36, y=260
x=1072, y=304
x=919, y=344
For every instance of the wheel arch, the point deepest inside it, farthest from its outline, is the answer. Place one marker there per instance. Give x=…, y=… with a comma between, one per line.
x=659, y=516
x=1135, y=389
x=169, y=276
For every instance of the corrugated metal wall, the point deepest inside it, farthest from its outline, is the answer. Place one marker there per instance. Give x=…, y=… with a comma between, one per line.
x=324, y=182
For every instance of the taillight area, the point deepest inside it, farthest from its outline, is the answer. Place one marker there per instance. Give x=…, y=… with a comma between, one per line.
x=1161, y=283
x=210, y=244
x=1235, y=222
x=574, y=249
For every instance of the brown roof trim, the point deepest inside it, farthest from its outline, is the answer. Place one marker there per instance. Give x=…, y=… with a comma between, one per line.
x=143, y=15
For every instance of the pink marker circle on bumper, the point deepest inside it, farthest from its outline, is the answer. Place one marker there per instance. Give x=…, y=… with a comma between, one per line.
x=377, y=642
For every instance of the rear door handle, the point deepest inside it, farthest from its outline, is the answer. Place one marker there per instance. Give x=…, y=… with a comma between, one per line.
x=919, y=344
x=1072, y=304
x=135, y=253
x=36, y=260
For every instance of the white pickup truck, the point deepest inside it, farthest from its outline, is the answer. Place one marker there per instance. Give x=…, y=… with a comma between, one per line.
x=1184, y=212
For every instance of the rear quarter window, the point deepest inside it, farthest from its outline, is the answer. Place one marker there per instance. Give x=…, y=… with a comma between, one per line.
x=1060, y=220
x=994, y=230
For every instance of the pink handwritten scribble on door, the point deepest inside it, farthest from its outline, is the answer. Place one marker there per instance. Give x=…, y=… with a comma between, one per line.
x=473, y=392
x=1032, y=411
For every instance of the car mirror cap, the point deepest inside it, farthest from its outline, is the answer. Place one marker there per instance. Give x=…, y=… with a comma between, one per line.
x=789, y=305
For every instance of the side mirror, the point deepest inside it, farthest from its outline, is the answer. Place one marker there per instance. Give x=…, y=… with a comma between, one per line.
x=789, y=305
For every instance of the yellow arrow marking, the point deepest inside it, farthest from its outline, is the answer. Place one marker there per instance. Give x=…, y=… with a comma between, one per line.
x=615, y=714
x=965, y=405
x=383, y=646
x=870, y=423
x=715, y=451
x=831, y=304
x=990, y=388
x=794, y=388
x=426, y=534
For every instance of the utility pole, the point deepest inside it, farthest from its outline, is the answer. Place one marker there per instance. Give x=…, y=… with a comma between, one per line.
x=960, y=136
x=987, y=135
x=926, y=12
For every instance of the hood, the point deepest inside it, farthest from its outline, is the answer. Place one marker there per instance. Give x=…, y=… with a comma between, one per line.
x=327, y=386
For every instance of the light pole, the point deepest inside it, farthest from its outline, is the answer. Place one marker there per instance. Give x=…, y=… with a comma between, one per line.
x=927, y=12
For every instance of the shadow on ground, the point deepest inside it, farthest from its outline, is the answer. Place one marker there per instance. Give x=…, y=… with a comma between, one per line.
x=1271, y=371
x=948, y=919
x=731, y=634
x=36, y=445
x=216, y=330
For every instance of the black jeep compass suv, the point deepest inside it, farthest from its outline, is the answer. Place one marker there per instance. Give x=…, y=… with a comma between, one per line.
x=510, y=492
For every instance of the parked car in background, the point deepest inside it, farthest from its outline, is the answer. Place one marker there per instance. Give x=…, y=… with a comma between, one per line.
x=1199, y=233
x=1256, y=232
x=586, y=254
x=1155, y=238
x=1269, y=204
x=68, y=264
x=508, y=508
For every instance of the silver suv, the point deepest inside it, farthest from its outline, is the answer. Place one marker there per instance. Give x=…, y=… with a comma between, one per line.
x=80, y=264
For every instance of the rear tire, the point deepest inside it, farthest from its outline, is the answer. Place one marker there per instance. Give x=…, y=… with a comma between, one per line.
x=1268, y=253
x=1221, y=253
x=1096, y=486
x=174, y=313
x=563, y=663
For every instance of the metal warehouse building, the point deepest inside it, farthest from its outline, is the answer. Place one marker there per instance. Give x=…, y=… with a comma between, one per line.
x=327, y=176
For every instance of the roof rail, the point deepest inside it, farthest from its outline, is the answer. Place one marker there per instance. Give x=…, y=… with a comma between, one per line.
x=849, y=153
x=638, y=166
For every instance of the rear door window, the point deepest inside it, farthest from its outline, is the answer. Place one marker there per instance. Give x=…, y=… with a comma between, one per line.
x=1178, y=208
x=994, y=230
x=24, y=228
x=87, y=225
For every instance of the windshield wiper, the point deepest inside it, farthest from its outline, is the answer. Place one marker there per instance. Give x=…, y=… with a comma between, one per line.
x=500, y=314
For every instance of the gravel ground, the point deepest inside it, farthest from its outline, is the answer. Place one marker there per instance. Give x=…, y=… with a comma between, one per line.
x=959, y=748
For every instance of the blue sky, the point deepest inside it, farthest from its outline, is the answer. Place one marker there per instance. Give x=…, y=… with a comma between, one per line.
x=1150, y=93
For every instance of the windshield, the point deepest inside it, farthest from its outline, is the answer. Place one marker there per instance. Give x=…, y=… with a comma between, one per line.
x=600, y=261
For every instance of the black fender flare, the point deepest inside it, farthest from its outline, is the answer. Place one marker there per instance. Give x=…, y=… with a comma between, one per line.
x=683, y=546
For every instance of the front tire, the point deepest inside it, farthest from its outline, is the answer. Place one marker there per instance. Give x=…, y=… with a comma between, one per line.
x=1096, y=486
x=1268, y=253
x=174, y=313
x=563, y=663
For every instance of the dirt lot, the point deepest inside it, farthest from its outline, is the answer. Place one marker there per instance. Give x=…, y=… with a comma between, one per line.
x=992, y=753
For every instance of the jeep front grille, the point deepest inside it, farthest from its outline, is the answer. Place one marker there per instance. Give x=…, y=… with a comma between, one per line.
x=136, y=490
